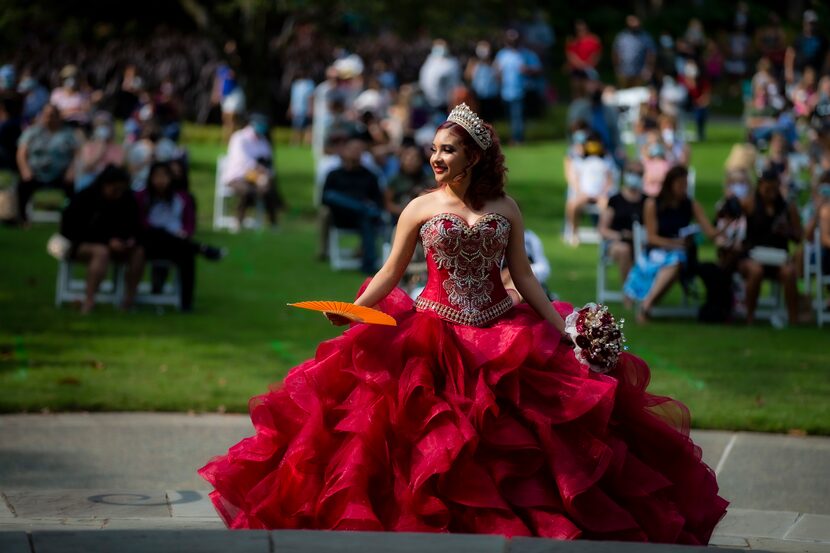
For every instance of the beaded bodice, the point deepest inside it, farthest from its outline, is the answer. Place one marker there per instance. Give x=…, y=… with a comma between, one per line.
x=463, y=263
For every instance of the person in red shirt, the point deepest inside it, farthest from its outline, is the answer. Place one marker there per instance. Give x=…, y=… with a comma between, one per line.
x=699, y=91
x=582, y=52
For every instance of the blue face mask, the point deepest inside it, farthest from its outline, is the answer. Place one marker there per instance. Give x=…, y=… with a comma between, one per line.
x=739, y=189
x=580, y=137
x=824, y=190
x=656, y=150
x=260, y=128
x=633, y=180
x=102, y=133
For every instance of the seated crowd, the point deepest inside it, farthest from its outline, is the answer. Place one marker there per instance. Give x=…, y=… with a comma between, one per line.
x=127, y=202
x=776, y=198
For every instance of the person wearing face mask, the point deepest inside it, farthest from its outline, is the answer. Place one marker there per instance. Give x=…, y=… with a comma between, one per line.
x=655, y=165
x=592, y=180
x=616, y=222
x=44, y=158
x=35, y=97
x=481, y=74
x=439, y=75
x=666, y=57
x=98, y=152
x=676, y=147
x=249, y=170
x=73, y=104
x=736, y=185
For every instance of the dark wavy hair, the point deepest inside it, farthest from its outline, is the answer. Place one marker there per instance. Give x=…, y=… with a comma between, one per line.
x=488, y=175
x=666, y=191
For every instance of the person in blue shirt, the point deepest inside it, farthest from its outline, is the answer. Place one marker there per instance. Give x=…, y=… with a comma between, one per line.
x=510, y=67
x=299, y=108
x=35, y=97
x=481, y=74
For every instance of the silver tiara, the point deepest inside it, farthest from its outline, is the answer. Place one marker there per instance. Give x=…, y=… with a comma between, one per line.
x=472, y=123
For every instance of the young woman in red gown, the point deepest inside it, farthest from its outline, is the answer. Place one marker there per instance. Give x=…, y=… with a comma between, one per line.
x=472, y=414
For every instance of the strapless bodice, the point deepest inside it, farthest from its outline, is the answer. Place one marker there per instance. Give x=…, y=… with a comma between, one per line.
x=463, y=268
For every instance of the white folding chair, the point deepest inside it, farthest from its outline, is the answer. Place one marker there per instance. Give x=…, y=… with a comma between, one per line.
x=223, y=193
x=37, y=214
x=342, y=258
x=69, y=288
x=169, y=295
x=587, y=234
x=628, y=102
x=688, y=306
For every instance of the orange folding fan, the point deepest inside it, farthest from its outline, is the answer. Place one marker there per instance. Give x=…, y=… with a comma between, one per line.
x=351, y=311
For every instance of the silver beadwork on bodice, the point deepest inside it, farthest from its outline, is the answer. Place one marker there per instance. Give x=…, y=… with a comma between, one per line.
x=470, y=255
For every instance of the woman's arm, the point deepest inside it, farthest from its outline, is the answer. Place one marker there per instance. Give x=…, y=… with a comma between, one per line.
x=700, y=216
x=406, y=236
x=570, y=176
x=604, y=227
x=23, y=162
x=654, y=239
x=523, y=278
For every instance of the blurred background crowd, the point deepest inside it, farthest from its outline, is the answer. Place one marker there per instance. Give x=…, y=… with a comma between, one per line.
x=101, y=120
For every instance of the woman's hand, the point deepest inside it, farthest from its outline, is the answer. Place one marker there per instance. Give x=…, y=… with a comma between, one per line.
x=337, y=320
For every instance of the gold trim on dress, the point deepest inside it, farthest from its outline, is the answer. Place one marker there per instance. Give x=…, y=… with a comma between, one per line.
x=478, y=318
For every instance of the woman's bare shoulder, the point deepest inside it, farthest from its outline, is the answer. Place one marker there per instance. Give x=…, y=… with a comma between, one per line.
x=507, y=206
x=421, y=208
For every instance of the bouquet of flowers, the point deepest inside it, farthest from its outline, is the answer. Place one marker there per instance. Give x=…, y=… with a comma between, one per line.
x=597, y=337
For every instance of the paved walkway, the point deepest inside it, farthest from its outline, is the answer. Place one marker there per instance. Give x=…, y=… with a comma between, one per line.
x=110, y=471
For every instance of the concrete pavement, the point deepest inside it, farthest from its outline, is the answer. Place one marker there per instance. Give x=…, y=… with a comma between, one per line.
x=76, y=472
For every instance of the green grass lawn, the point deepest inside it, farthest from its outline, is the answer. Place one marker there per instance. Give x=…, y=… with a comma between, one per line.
x=242, y=338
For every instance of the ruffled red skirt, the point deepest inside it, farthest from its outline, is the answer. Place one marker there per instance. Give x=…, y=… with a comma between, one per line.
x=435, y=427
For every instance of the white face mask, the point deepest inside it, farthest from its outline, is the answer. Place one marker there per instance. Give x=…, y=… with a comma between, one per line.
x=739, y=189
x=668, y=136
x=102, y=133
x=633, y=181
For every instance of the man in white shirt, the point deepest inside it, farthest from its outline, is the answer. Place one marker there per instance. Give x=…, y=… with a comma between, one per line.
x=248, y=168
x=439, y=75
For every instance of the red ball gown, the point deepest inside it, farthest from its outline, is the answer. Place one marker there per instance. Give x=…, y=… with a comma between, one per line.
x=469, y=416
